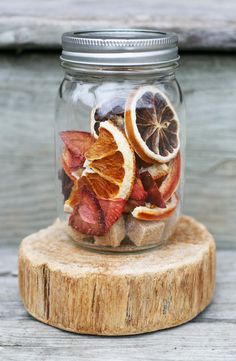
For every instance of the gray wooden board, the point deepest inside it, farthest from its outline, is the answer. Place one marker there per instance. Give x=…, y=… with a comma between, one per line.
x=201, y=24
x=28, y=86
x=210, y=336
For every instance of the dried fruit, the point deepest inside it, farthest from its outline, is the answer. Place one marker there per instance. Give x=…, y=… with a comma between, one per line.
x=99, y=177
x=138, y=193
x=67, y=170
x=77, y=173
x=88, y=216
x=74, y=195
x=110, y=110
x=76, y=145
x=110, y=165
x=150, y=186
x=100, y=186
x=67, y=208
x=93, y=216
x=171, y=182
x=157, y=213
x=157, y=170
x=112, y=210
x=152, y=125
x=131, y=204
x=70, y=160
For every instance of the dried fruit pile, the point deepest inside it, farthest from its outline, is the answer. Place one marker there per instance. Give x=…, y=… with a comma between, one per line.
x=127, y=168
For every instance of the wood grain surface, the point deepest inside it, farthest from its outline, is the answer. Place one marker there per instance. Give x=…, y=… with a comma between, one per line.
x=200, y=24
x=28, y=87
x=209, y=337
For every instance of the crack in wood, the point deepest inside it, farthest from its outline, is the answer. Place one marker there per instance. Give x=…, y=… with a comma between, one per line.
x=46, y=290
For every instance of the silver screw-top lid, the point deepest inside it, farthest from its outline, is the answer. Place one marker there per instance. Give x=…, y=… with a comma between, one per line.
x=119, y=47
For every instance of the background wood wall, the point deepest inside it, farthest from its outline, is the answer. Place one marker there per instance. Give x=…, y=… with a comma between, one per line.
x=29, y=81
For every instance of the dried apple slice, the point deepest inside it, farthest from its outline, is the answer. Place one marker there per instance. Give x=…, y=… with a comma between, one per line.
x=156, y=214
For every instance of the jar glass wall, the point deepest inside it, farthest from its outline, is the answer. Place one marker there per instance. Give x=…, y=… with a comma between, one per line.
x=119, y=135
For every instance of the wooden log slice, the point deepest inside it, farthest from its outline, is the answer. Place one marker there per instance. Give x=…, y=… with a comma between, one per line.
x=81, y=291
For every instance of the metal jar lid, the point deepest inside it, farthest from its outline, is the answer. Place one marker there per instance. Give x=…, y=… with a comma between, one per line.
x=119, y=47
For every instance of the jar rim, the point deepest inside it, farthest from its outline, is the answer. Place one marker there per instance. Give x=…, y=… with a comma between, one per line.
x=129, y=47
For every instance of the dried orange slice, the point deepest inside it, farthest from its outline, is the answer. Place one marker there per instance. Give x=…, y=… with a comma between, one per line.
x=152, y=125
x=171, y=182
x=112, y=109
x=156, y=213
x=110, y=164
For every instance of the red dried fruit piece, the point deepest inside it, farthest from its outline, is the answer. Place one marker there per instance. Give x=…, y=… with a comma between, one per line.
x=72, y=162
x=88, y=216
x=67, y=170
x=93, y=216
x=138, y=192
x=131, y=204
x=150, y=186
x=77, y=143
x=160, y=181
x=171, y=181
x=112, y=210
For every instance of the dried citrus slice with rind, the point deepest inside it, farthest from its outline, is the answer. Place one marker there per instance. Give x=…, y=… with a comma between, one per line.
x=156, y=213
x=110, y=163
x=152, y=125
x=171, y=181
x=101, y=187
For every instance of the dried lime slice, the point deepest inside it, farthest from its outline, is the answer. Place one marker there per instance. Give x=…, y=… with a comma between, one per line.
x=152, y=125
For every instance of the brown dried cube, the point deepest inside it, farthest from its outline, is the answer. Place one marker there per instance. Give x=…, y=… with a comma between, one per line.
x=114, y=236
x=144, y=233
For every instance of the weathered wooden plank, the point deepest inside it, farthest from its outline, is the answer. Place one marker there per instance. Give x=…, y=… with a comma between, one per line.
x=211, y=336
x=202, y=24
x=28, y=84
x=210, y=90
x=206, y=341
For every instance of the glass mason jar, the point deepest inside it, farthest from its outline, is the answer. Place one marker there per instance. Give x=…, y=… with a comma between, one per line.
x=119, y=138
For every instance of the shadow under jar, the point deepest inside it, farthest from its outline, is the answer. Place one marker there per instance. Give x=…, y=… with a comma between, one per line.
x=119, y=138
